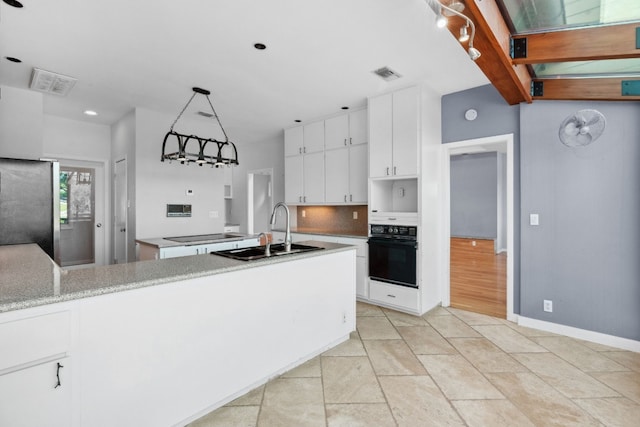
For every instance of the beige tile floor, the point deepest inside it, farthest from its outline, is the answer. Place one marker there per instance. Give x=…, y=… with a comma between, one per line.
x=448, y=367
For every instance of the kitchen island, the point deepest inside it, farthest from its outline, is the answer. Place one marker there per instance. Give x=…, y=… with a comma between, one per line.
x=161, y=342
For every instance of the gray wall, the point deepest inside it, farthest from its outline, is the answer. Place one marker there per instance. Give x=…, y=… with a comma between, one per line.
x=585, y=253
x=495, y=117
x=474, y=195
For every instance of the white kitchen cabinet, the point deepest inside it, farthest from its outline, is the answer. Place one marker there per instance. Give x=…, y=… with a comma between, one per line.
x=394, y=133
x=313, y=138
x=336, y=132
x=304, y=179
x=29, y=397
x=346, y=175
x=336, y=176
x=293, y=141
x=304, y=170
x=394, y=296
x=293, y=175
x=32, y=349
x=362, y=257
x=346, y=129
x=313, y=178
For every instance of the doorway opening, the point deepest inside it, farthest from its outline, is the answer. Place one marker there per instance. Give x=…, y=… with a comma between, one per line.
x=259, y=200
x=499, y=250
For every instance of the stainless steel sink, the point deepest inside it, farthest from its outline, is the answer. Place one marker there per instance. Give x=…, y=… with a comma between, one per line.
x=258, y=252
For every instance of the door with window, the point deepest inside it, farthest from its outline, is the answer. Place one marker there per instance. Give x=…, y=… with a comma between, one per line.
x=82, y=236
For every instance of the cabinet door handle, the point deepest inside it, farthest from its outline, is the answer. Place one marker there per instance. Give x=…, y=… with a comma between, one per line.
x=58, y=384
x=345, y=141
x=351, y=197
x=304, y=199
x=387, y=170
x=350, y=141
x=304, y=149
x=391, y=296
x=345, y=197
x=394, y=170
x=300, y=150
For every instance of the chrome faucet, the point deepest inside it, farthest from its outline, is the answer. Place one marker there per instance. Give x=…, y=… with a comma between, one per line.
x=267, y=246
x=287, y=235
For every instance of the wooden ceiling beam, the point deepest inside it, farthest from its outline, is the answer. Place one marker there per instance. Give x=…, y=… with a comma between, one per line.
x=593, y=89
x=609, y=42
x=493, y=41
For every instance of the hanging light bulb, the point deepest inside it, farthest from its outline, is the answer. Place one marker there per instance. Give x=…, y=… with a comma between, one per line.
x=464, y=34
x=441, y=20
x=474, y=53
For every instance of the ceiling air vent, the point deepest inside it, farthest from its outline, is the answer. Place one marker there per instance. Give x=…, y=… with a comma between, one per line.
x=48, y=82
x=387, y=74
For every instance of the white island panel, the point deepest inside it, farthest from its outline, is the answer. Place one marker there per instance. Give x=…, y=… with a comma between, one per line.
x=165, y=355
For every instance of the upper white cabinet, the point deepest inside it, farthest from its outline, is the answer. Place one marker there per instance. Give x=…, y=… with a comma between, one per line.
x=345, y=130
x=313, y=138
x=394, y=133
x=326, y=161
x=346, y=158
x=293, y=141
x=304, y=164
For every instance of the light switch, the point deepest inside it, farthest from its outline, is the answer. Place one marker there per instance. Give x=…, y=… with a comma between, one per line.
x=534, y=219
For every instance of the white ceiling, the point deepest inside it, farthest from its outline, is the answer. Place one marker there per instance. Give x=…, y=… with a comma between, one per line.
x=149, y=53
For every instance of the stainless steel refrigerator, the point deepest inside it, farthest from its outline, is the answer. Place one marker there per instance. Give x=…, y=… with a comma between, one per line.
x=30, y=204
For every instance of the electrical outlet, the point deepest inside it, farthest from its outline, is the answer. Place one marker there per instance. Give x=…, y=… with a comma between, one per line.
x=548, y=306
x=189, y=192
x=355, y=214
x=534, y=219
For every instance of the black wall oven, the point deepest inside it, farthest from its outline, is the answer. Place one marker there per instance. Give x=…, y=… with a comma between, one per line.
x=392, y=254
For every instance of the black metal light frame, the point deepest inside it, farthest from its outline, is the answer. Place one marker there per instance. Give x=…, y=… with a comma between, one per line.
x=201, y=157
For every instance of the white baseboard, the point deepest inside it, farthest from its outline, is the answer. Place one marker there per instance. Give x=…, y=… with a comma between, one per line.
x=582, y=334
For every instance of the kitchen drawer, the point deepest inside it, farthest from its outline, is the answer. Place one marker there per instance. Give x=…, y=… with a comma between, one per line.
x=27, y=340
x=399, y=296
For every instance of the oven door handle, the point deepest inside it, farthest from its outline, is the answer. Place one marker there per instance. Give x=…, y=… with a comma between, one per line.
x=393, y=242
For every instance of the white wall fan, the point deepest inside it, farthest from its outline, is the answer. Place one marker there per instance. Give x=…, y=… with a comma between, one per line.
x=582, y=128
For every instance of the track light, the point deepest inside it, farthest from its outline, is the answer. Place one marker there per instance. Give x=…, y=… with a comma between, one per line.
x=441, y=21
x=464, y=34
x=455, y=8
x=474, y=53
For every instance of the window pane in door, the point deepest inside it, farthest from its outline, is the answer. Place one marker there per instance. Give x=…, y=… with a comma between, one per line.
x=77, y=215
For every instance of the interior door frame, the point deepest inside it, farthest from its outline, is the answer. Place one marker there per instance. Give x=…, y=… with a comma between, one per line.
x=114, y=207
x=106, y=220
x=250, y=175
x=502, y=143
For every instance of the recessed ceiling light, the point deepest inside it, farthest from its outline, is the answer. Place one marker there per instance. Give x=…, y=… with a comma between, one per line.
x=13, y=59
x=345, y=108
x=90, y=113
x=13, y=3
x=260, y=46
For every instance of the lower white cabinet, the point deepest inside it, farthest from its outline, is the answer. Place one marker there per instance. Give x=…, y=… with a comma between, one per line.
x=402, y=297
x=362, y=265
x=35, y=369
x=31, y=397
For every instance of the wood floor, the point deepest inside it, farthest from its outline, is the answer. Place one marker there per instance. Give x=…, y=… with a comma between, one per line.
x=478, y=277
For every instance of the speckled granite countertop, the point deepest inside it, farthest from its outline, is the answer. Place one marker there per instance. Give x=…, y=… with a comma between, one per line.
x=29, y=278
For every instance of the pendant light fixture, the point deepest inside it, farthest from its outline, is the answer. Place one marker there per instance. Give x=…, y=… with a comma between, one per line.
x=209, y=151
